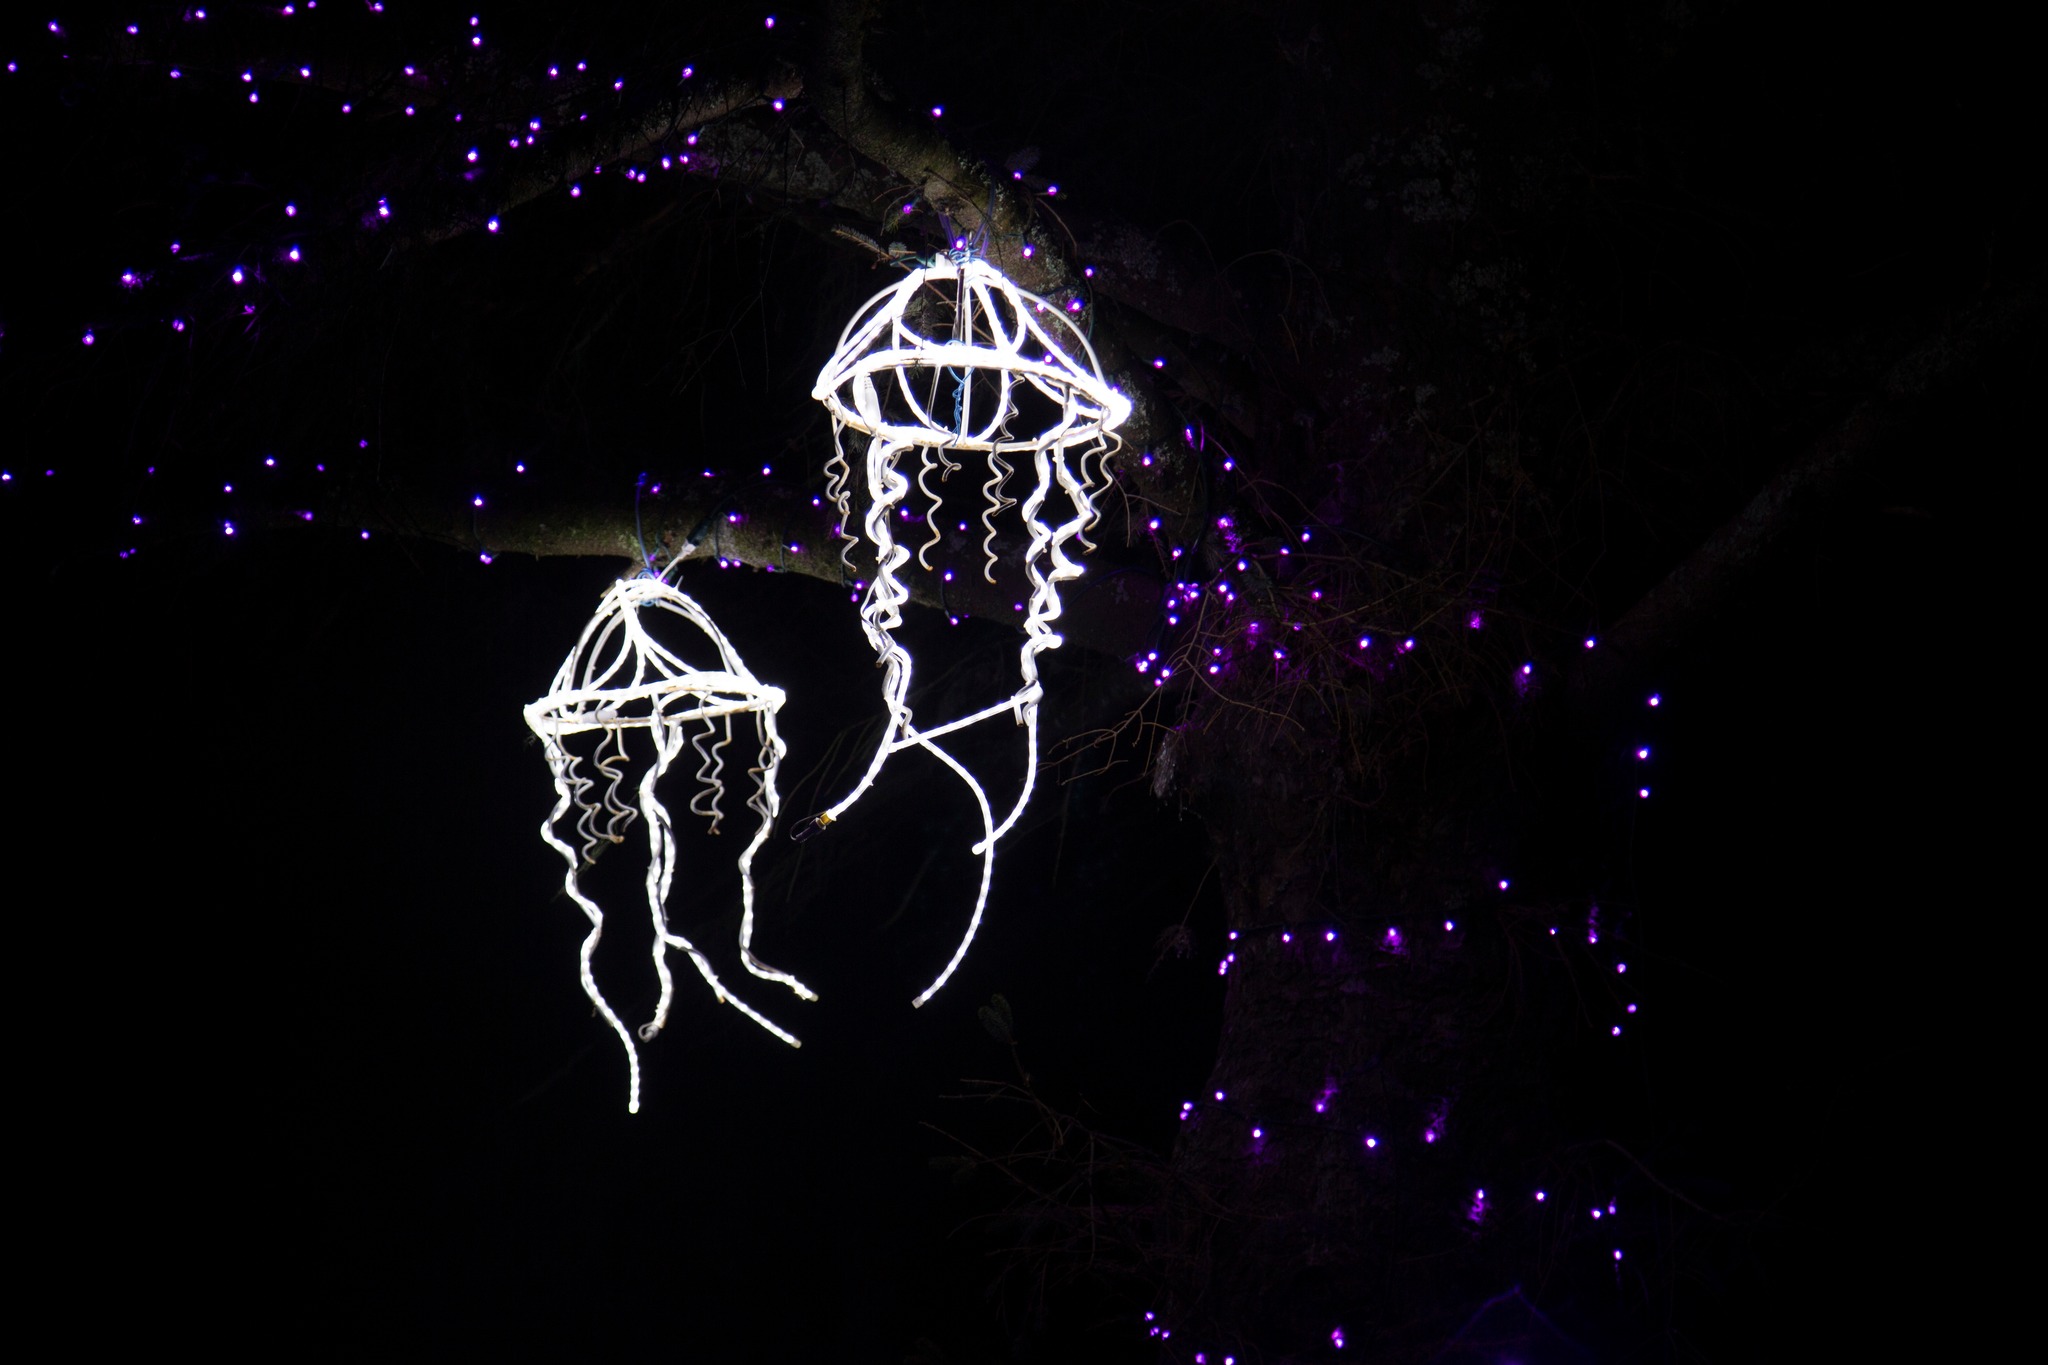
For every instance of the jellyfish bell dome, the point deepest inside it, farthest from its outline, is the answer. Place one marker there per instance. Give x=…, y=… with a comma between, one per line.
x=951, y=355
x=626, y=673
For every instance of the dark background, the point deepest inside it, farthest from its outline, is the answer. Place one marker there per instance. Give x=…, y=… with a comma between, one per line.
x=304, y=1065
x=311, y=1067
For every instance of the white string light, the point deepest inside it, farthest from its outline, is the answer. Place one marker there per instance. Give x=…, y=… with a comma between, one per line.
x=620, y=679
x=958, y=332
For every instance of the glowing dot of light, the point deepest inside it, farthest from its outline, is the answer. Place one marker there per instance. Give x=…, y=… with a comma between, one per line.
x=1258, y=1133
x=1371, y=1141
x=491, y=226
x=1541, y=1196
x=1642, y=793
x=1449, y=925
x=1656, y=699
x=88, y=338
x=1503, y=883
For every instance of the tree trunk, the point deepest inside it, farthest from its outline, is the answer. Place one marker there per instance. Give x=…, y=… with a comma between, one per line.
x=1377, y=1069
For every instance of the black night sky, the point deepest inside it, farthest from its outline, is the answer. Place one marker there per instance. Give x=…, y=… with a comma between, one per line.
x=304, y=1068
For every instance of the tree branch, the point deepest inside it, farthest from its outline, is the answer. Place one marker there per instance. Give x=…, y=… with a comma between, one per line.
x=1708, y=581
x=1109, y=610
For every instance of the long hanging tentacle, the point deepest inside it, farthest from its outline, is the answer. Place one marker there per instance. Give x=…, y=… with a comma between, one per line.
x=560, y=762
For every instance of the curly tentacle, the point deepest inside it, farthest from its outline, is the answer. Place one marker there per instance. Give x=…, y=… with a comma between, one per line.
x=838, y=474
x=938, y=501
x=999, y=474
x=711, y=771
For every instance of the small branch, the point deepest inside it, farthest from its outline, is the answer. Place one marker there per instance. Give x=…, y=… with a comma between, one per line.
x=701, y=104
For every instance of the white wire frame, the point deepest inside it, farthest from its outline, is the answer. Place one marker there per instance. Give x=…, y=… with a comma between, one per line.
x=1018, y=342
x=619, y=679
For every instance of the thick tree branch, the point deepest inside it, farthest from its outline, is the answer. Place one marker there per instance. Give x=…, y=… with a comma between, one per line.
x=1712, y=577
x=1109, y=610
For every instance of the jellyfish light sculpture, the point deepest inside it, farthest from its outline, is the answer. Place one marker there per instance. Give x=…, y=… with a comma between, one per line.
x=953, y=360
x=622, y=680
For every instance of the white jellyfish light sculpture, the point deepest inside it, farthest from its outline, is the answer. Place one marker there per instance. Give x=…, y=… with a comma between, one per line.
x=955, y=360
x=620, y=681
